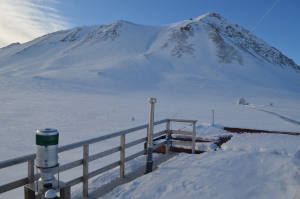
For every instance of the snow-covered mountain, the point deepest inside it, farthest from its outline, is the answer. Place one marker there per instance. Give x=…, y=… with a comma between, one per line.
x=207, y=52
x=90, y=81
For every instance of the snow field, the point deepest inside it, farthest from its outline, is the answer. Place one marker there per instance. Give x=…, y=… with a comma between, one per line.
x=91, y=81
x=248, y=166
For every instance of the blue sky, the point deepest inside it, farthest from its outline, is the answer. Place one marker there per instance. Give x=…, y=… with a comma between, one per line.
x=280, y=28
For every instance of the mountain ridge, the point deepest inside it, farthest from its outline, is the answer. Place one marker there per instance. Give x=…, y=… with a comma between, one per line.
x=207, y=52
x=221, y=27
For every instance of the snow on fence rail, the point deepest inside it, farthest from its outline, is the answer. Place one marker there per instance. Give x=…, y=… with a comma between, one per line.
x=86, y=159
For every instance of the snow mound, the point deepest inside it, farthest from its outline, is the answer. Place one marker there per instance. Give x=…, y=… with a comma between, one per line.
x=242, y=101
x=213, y=175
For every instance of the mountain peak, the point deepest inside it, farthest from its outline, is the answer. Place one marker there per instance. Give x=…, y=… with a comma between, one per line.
x=211, y=32
x=124, y=55
x=211, y=14
x=239, y=38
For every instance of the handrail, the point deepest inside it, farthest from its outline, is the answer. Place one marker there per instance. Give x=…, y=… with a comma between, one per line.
x=182, y=120
x=84, y=161
x=105, y=137
x=18, y=160
x=22, y=159
x=29, y=158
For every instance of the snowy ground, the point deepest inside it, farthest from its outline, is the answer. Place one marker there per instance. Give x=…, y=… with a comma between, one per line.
x=249, y=166
x=81, y=116
x=92, y=81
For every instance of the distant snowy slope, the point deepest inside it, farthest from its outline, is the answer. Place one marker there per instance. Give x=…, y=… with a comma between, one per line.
x=205, y=53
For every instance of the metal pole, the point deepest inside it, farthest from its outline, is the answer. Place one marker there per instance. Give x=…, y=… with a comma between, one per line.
x=149, y=163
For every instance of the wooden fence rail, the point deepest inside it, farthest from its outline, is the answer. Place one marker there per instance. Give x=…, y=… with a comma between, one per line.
x=87, y=158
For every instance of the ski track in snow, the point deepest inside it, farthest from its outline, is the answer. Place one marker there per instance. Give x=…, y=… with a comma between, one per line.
x=281, y=116
x=277, y=115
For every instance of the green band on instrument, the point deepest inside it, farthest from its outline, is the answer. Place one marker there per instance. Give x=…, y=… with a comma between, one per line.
x=46, y=140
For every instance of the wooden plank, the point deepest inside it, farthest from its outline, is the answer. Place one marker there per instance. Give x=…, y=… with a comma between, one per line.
x=70, y=165
x=74, y=181
x=15, y=161
x=185, y=150
x=122, y=156
x=159, y=133
x=16, y=184
x=104, y=153
x=141, y=140
x=182, y=132
x=243, y=130
x=182, y=120
x=13, y=185
x=198, y=139
x=136, y=142
x=103, y=169
x=159, y=145
x=179, y=143
x=133, y=156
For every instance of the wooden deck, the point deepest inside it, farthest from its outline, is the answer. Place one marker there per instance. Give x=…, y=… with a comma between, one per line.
x=244, y=130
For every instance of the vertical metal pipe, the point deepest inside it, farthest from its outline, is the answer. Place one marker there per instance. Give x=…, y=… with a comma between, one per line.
x=149, y=163
x=122, y=156
x=85, y=171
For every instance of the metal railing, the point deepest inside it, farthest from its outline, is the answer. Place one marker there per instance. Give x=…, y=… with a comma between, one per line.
x=87, y=158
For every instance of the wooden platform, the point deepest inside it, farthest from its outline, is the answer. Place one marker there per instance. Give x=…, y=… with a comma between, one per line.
x=244, y=130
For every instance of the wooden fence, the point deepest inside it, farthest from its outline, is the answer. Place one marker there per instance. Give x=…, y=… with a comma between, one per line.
x=87, y=158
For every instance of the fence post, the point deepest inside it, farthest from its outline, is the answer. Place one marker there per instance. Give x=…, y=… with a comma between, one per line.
x=30, y=171
x=194, y=137
x=122, y=156
x=29, y=194
x=149, y=163
x=85, y=170
x=168, y=134
x=65, y=193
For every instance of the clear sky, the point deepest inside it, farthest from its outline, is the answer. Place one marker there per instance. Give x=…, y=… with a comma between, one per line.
x=22, y=20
